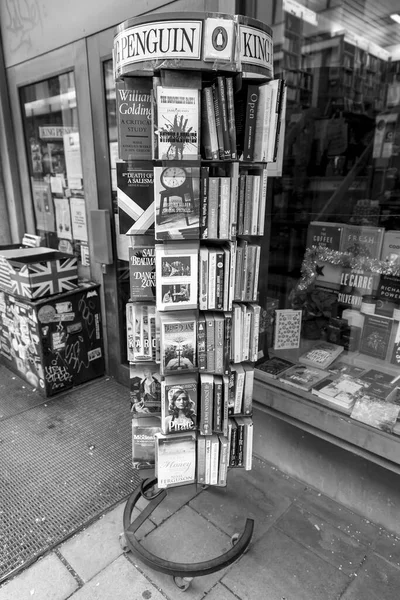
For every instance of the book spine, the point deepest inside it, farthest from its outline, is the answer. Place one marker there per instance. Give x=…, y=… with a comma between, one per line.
x=255, y=331
x=212, y=279
x=241, y=198
x=233, y=443
x=238, y=273
x=219, y=280
x=248, y=204
x=225, y=404
x=219, y=343
x=280, y=101
x=209, y=101
x=266, y=126
x=218, y=121
x=244, y=268
x=223, y=460
x=227, y=274
x=223, y=104
x=247, y=314
x=259, y=126
x=201, y=459
x=227, y=341
x=217, y=417
x=239, y=390
x=208, y=460
x=210, y=338
x=255, y=205
x=275, y=84
x=203, y=278
x=248, y=390
x=236, y=354
x=234, y=176
x=248, y=445
x=224, y=208
x=206, y=402
x=204, y=174
x=232, y=274
x=230, y=97
x=263, y=202
x=240, y=443
x=250, y=122
x=201, y=344
x=213, y=202
x=214, y=459
x=257, y=258
x=249, y=273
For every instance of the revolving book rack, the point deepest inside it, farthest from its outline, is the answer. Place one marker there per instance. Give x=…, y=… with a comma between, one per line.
x=199, y=120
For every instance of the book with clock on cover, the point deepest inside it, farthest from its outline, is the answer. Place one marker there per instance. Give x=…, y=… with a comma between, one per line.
x=303, y=377
x=178, y=332
x=175, y=459
x=287, y=329
x=177, y=202
x=176, y=275
x=273, y=367
x=135, y=197
x=321, y=355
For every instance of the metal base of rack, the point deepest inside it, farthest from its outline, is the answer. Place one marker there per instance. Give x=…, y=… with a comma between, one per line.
x=182, y=573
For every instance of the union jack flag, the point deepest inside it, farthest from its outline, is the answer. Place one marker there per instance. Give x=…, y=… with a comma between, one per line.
x=44, y=278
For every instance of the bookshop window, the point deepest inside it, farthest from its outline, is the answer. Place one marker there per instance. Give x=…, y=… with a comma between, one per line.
x=121, y=226
x=334, y=249
x=52, y=141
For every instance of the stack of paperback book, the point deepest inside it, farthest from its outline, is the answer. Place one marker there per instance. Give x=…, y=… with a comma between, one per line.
x=192, y=212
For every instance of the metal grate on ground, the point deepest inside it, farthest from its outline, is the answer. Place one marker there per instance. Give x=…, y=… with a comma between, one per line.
x=63, y=463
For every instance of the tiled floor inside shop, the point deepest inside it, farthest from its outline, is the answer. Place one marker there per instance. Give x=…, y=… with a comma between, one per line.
x=305, y=546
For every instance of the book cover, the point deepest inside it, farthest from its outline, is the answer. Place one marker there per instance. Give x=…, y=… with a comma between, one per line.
x=175, y=459
x=177, y=275
x=248, y=204
x=224, y=223
x=214, y=459
x=227, y=340
x=391, y=247
x=219, y=338
x=275, y=85
x=213, y=206
x=223, y=460
x=344, y=368
x=303, y=377
x=247, y=405
x=145, y=389
x=362, y=241
x=389, y=289
x=177, y=123
x=209, y=137
x=376, y=413
x=250, y=121
x=395, y=353
x=134, y=114
x=240, y=375
x=234, y=175
x=230, y=98
x=201, y=459
x=142, y=271
x=344, y=390
x=140, y=340
x=255, y=205
x=210, y=341
x=135, y=197
x=217, y=404
x=263, y=122
x=287, y=329
x=255, y=311
x=206, y=403
x=223, y=107
x=208, y=459
x=225, y=404
x=245, y=442
x=178, y=333
x=321, y=355
x=203, y=278
x=325, y=235
x=219, y=278
x=178, y=403
x=241, y=199
x=143, y=442
x=375, y=336
x=272, y=368
x=382, y=391
x=177, y=202
x=232, y=436
x=378, y=376
x=262, y=202
x=239, y=441
x=201, y=343
x=218, y=121
x=354, y=284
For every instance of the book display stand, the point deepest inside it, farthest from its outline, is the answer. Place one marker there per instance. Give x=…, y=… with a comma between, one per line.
x=196, y=105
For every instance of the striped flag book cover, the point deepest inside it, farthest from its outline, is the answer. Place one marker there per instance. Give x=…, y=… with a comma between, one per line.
x=135, y=197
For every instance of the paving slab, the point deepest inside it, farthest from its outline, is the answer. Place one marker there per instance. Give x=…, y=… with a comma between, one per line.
x=376, y=580
x=388, y=546
x=36, y=582
x=278, y=567
x=119, y=581
x=220, y=592
x=176, y=498
x=185, y=537
x=328, y=542
x=363, y=530
x=98, y=545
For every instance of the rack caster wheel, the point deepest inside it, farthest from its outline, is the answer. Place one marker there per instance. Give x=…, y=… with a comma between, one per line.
x=234, y=540
x=123, y=543
x=183, y=583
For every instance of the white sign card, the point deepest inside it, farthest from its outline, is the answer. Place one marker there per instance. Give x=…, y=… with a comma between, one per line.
x=78, y=217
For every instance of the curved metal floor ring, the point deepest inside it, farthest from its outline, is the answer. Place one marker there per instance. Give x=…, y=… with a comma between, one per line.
x=175, y=568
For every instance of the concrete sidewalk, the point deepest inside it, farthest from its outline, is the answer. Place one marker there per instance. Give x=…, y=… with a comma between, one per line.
x=305, y=546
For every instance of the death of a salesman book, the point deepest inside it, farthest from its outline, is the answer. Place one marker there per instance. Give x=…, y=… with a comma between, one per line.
x=178, y=332
x=179, y=403
x=177, y=117
x=134, y=114
x=177, y=202
x=145, y=389
x=135, y=197
x=142, y=270
x=176, y=275
x=321, y=355
x=175, y=459
x=143, y=442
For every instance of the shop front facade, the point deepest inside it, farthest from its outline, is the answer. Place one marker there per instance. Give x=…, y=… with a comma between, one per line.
x=338, y=180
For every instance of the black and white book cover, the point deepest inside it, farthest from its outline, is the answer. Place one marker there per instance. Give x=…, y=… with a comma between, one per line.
x=177, y=275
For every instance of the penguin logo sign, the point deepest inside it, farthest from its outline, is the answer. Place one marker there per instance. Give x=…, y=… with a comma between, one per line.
x=219, y=38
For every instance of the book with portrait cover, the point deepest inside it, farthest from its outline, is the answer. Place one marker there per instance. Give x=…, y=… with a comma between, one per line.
x=375, y=337
x=135, y=197
x=175, y=459
x=176, y=122
x=179, y=403
x=143, y=442
x=303, y=377
x=178, y=332
x=287, y=329
x=142, y=270
x=134, y=114
x=145, y=389
x=321, y=355
x=177, y=202
x=176, y=275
